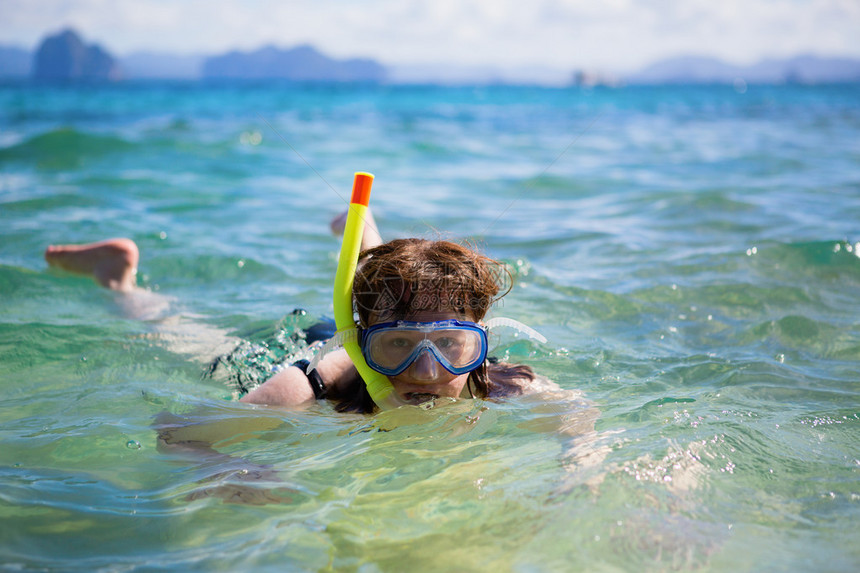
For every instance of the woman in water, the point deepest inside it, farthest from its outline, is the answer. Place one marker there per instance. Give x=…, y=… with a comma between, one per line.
x=420, y=304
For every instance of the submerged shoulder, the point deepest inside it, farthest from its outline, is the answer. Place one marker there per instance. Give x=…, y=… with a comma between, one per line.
x=516, y=379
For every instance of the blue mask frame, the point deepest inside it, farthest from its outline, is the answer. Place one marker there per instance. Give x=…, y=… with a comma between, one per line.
x=367, y=335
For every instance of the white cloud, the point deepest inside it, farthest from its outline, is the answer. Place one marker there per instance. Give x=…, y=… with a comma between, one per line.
x=614, y=34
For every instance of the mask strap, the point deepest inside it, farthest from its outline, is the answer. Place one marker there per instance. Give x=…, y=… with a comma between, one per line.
x=343, y=337
x=516, y=325
x=340, y=338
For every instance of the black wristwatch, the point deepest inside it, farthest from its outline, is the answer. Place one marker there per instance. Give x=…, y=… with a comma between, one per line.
x=314, y=378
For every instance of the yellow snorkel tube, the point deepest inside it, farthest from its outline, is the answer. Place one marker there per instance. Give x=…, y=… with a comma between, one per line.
x=378, y=385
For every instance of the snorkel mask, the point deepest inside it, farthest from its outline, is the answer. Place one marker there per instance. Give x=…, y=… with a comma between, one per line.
x=392, y=347
x=388, y=349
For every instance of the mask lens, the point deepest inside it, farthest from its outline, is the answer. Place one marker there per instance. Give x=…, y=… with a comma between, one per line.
x=391, y=348
x=459, y=347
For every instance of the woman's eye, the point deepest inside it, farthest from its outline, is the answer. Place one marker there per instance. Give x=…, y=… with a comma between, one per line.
x=399, y=342
x=446, y=342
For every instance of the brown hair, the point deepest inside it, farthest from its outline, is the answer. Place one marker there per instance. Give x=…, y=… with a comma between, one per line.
x=405, y=276
x=400, y=278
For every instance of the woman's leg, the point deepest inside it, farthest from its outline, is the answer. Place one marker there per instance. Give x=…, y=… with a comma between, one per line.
x=369, y=239
x=113, y=263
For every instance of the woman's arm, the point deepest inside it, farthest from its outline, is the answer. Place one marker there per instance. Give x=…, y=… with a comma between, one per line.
x=557, y=411
x=231, y=478
x=290, y=387
x=192, y=439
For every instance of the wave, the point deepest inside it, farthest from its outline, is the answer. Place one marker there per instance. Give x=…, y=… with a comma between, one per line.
x=63, y=148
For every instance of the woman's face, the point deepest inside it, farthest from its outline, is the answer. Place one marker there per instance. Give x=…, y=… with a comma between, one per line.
x=426, y=379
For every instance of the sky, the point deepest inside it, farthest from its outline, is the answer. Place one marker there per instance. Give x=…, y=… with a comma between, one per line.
x=597, y=35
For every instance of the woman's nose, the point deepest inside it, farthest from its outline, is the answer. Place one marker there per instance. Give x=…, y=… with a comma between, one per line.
x=425, y=367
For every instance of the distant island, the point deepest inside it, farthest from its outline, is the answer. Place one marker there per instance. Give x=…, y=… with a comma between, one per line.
x=807, y=69
x=300, y=64
x=66, y=57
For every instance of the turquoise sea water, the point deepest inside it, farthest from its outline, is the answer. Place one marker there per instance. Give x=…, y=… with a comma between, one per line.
x=691, y=253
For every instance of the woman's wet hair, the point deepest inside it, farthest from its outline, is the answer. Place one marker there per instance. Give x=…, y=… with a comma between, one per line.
x=403, y=277
x=400, y=278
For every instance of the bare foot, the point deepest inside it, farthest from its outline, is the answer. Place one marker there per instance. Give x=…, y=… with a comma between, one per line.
x=113, y=263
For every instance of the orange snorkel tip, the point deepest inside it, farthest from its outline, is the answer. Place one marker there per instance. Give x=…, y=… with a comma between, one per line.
x=361, y=188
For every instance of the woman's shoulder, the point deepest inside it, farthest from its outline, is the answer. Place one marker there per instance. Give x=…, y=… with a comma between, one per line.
x=516, y=379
